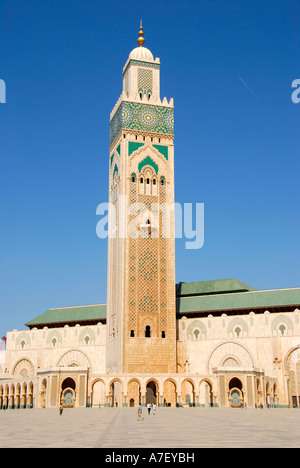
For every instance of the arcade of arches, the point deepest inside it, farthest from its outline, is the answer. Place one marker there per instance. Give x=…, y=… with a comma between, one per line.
x=166, y=393
x=227, y=387
x=169, y=392
x=72, y=392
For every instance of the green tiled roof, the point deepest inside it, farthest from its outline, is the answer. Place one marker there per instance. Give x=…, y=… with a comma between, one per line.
x=89, y=313
x=212, y=287
x=204, y=296
x=234, y=301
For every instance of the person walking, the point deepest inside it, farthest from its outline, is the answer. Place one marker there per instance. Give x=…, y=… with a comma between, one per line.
x=140, y=412
x=154, y=409
x=149, y=408
x=61, y=408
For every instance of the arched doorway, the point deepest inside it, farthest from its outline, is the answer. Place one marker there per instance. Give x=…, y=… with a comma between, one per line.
x=134, y=392
x=30, y=395
x=170, y=393
x=187, y=393
x=115, y=394
x=206, y=394
x=68, y=393
x=151, y=392
x=98, y=393
x=293, y=368
x=24, y=396
x=235, y=393
x=43, y=393
x=5, y=404
x=12, y=396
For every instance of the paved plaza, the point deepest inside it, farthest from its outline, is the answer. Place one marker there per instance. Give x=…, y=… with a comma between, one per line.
x=169, y=428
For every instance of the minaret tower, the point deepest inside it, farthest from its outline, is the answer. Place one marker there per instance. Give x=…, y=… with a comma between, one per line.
x=141, y=309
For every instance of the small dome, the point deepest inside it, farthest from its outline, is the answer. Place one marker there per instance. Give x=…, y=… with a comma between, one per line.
x=141, y=53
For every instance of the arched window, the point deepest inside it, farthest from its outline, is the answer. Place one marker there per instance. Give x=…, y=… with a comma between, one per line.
x=163, y=334
x=132, y=334
x=148, y=331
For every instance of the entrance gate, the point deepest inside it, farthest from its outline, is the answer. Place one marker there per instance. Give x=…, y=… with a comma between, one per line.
x=151, y=393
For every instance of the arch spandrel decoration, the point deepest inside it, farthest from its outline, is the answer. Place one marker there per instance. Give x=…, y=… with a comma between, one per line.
x=23, y=367
x=74, y=358
x=230, y=349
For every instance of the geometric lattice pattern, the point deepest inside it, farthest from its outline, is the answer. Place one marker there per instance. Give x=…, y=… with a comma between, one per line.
x=147, y=297
x=145, y=81
x=148, y=265
x=142, y=117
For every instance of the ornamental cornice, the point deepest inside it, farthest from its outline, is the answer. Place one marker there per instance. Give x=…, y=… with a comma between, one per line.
x=134, y=133
x=141, y=63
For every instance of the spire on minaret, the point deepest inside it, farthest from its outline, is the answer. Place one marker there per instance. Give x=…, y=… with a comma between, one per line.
x=141, y=40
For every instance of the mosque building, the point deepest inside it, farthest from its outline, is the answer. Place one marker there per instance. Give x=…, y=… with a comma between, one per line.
x=211, y=343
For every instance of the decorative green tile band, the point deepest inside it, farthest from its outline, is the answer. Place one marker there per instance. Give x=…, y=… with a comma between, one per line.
x=141, y=63
x=142, y=117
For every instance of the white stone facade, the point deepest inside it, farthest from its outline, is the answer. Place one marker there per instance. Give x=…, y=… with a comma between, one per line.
x=261, y=350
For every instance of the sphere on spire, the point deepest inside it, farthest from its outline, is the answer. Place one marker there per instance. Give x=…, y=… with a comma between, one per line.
x=141, y=53
x=141, y=40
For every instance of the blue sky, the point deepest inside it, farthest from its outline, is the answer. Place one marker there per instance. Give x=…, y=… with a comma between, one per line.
x=228, y=65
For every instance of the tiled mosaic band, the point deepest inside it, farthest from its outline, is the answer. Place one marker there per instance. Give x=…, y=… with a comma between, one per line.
x=142, y=117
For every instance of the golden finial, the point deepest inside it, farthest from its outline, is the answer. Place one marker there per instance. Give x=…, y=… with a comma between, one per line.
x=141, y=40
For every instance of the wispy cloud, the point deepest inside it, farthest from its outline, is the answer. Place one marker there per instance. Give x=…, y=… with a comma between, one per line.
x=247, y=87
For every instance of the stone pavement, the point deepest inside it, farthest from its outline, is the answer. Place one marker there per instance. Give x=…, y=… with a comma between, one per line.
x=169, y=428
